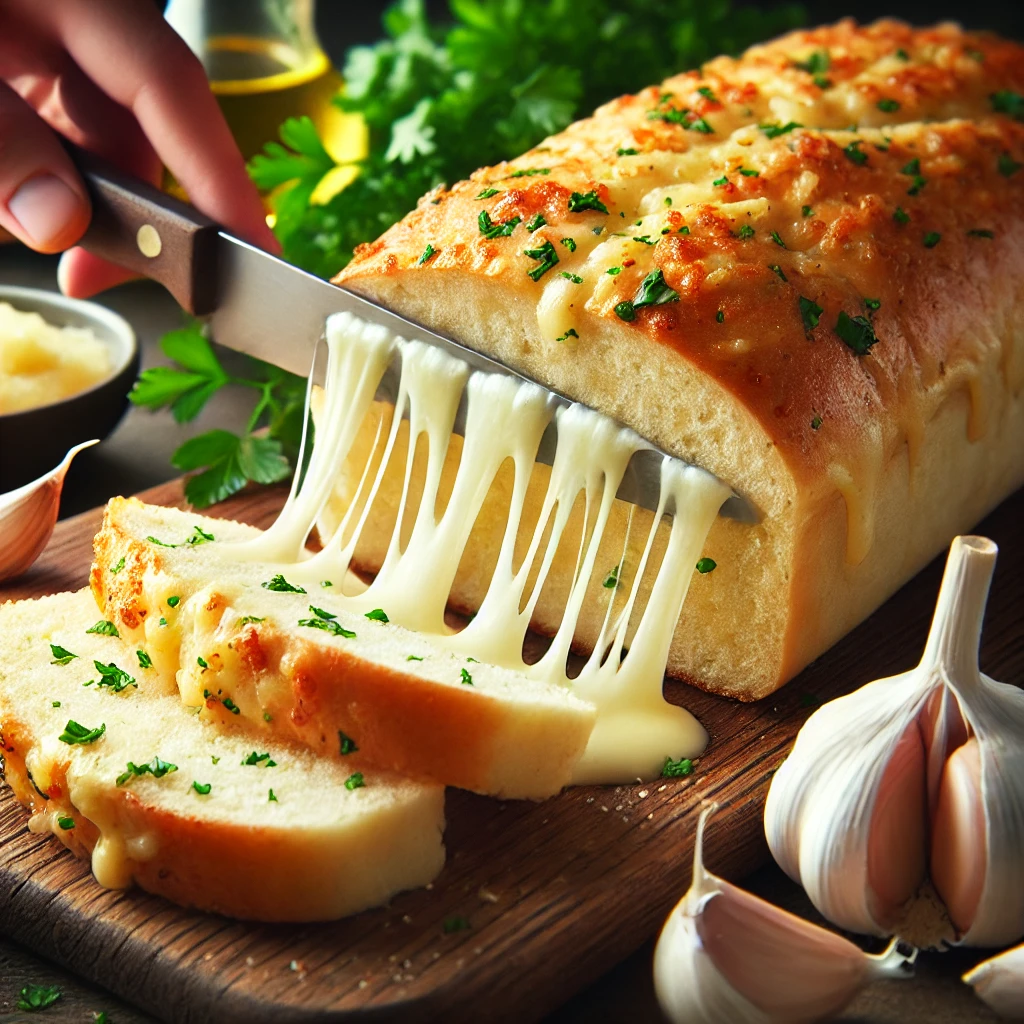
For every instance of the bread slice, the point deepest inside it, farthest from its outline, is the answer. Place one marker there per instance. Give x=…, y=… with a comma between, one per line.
x=239, y=650
x=291, y=837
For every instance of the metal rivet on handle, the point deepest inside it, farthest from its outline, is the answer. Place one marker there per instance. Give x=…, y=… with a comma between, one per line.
x=148, y=240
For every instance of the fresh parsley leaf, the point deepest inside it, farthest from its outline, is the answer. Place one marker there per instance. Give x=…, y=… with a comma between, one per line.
x=490, y=229
x=271, y=797
x=66, y=823
x=810, y=313
x=855, y=153
x=873, y=304
x=932, y=239
x=816, y=422
x=157, y=767
x=79, y=734
x=529, y=172
x=1008, y=102
x=428, y=254
x=628, y=151
x=749, y=173
x=817, y=62
x=202, y=788
x=467, y=679
x=545, y=255
x=413, y=657
x=773, y=131
x=488, y=193
x=346, y=744
x=654, y=291
x=676, y=769
x=113, y=678
x=901, y=216
x=355, y=781
x=280, y=585
x=745, y=232
x=778, y=271
x=575, y=278
x=115, y=569
x=614, y=271
x=569, y=243
x=720, y=316
x=105, y=628
x=145, y=661
x=255, y=760
x=777, y=239
x=807, y=211
x=571, y=333
x=856, y=332
x=537, y=221
x=1007, y=166
x=231, y=462
x=378, y=615
x=581, y=201
x=331, y=626
x=61, y=655
x=708, y=93
x=706, y=565
x=888, y=106
x=723, y=180
x=611, y=581
x=246, y=619
x=37, y=997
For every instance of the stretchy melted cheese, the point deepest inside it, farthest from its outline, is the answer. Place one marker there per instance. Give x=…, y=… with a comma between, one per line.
x=636, y=728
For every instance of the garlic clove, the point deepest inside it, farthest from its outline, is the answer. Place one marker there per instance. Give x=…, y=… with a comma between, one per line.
x=1000, y=983
x=725, y=955
x=959, y=842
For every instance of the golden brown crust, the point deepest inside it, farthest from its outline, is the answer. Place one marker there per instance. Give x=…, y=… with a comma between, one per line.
x=840, y=450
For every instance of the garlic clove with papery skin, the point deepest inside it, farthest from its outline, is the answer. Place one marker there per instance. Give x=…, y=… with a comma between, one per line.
x=727, y=956
x=1000, y=983
x=914, y=778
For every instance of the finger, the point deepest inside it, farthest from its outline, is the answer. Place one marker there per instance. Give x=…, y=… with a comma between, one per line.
x=42, y=200
x=80, y=274
x=137, y=59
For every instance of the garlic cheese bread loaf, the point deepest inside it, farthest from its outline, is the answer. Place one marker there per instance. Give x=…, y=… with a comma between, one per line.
x=124, y=774
x=261, y=656
x=802, y=269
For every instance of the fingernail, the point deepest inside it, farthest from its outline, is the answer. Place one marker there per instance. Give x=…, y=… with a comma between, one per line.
x=44, y=206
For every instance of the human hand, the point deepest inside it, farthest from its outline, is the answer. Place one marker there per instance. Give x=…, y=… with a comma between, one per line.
x=116, y=79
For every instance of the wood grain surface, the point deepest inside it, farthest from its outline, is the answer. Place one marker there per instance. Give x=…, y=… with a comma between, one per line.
x=555, y=893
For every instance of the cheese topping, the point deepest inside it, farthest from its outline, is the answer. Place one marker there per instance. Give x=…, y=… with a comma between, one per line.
x=636, y=728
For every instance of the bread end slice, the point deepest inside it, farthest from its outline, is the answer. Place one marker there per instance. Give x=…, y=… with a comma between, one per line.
x=279, y=835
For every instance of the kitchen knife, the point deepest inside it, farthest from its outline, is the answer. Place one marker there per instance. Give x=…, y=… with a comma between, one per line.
x=258, y=304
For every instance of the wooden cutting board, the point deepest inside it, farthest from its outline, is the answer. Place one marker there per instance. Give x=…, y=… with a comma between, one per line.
x=555, y=893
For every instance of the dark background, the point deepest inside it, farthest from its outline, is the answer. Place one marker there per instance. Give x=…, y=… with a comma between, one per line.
x=342, y=23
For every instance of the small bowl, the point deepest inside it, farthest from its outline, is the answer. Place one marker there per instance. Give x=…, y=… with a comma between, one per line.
x=33, y=441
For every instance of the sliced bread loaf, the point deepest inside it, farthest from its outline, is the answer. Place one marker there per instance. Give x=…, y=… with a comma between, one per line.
x=269, y=659
x=125, y=774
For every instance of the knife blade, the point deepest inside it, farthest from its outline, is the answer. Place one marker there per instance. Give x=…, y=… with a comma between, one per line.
x=260, y=305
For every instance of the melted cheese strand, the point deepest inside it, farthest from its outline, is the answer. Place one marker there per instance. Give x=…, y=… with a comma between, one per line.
x=505, y=420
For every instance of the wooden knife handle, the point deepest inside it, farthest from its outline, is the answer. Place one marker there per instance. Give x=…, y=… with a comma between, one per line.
x=146, y=230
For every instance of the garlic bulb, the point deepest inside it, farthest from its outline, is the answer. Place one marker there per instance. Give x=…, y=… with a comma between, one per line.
x=727, y=956
x=1000, y=983
x=914, y=778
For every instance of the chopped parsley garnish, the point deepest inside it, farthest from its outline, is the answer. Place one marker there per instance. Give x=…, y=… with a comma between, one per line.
x=267, y=716
x=720, y=316
x=569, y=243
x=810, y=313
x=873, y=304
x=546, y=258
x=163, y=621
x=777, y=270
x=199, y=536
x=246, y=619
x=377, y=615
x=271, y=798
x=723, y=180
x=214, y=759
x=104, y=627
x=571, y=333
x=202, y=788
x=773, y=131
x=173, y=601
x=629, y=151
x=676, y=769
x=280, y=585
x=820, y=60
x=748, y=173
x=888, y=106
x=932, y=239
x=157, y=768
x=428, y=254
x=913, y=168
x=611, y=581
x=614, y=270
x=976, y=55
x=355, y=781
x=981, y=233
x=326, y=583
x=537, y=221
x=684, y=230
x=160, y=543
x=856, y=332
x=1007, y=102
x=575, y=278
x=231, y=706
x=255, y=760
x=490, y=229
x=902, y=54
x=115, y=569
x=66, y=823
x=816, y=422
x=580, y=201
x=61, y=655
x=55, y=704
x=37, y=997
x=413, y=657
x=455, y=924
x=646, y=239
x=78, y=734
x=327, y=621
x=347, y=744
x=1007, y=165
x=855, y=153
x=900, y=215
x=202, y=662
x=488, y=192
x=467, y=679
x=701, y=125
x=706, y=565
x=777, y=239
x=745, y=232
x=668, y=200
x=145, y=661
x=654, y=291
x=624, y=311
x=529, y=172
x=113, y=678
x=707, y=93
